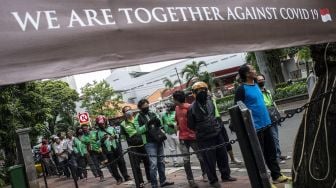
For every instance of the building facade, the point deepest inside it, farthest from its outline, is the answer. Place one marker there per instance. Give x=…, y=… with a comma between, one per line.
x=133, y=88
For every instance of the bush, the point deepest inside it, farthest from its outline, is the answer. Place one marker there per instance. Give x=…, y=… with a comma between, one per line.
x=223, y=104
x=298, y=88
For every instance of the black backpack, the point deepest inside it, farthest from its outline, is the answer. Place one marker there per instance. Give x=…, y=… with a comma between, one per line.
x=155, y=132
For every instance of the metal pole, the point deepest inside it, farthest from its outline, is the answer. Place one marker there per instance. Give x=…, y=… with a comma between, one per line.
x=250, y=147
x=44, y=174
x=178, y=77
x=133, y=159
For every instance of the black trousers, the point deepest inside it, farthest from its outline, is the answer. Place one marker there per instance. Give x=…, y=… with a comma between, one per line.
x=212, y=157
x=120, y=163
x=268, y=147
x=136, y=160
x=96, y=158
x=82, y=162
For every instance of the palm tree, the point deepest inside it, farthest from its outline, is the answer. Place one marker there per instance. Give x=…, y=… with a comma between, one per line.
x=169, y=84
x=192, y=71
x=207, y=78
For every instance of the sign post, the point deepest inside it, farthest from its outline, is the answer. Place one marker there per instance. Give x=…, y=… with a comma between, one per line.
x=84, y=118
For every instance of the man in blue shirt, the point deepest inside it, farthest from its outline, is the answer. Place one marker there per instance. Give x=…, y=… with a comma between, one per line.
x=250, y=94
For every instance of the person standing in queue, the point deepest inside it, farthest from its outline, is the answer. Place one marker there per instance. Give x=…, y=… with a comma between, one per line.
x=149, y=124
x=274, y=115
x=81, y=153
x=89, y=138
x=202, y=119
x=187, y=137
x=169, y=124
x=109, y=142
x=250, y=94
x=135, y=144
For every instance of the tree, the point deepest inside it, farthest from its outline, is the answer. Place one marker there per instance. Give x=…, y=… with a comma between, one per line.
x=314, y=150
x=192, y=71
x=100, y=99
x=169, y=84
x=21, y=106
x=62, y=100
x=207, y=78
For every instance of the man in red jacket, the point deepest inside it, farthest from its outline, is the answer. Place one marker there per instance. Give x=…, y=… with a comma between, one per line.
x=187, y=137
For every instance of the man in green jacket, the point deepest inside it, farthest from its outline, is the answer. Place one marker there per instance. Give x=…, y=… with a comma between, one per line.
x=89, y=138
x=81, y=153
x=148, y=122
x=169, y=124
x=135, y=144
x=109, y=141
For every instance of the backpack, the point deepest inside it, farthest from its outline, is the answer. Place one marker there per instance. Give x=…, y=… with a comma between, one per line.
x=155, y=131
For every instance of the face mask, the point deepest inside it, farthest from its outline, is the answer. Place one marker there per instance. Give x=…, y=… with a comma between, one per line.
x=145, y=110
x=202, y=96
x=261, y=84
x=128, y=114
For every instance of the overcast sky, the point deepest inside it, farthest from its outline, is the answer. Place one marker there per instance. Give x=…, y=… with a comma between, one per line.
x=82, y=79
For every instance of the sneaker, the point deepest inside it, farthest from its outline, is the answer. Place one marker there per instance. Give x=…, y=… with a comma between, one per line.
x=282, y=161
x=128, y=178
x=236, y=161
x=192, y=184
x=285, y=157
x=205, y=178
x=282, y=179
x=119, y=182
x=166, y=183
x=216, y=185
x=102, y=179
x=229, y=179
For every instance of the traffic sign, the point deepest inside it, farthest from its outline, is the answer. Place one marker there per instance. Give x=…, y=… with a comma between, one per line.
x=84, y=118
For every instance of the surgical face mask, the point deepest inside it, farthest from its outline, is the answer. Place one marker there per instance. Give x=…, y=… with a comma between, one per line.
x=261, y=84
x=128, y=114
x=145, y=110
x=202, y=96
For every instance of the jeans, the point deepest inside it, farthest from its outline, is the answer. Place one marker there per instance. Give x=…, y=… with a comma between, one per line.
x=185, y=146
x=218, y=155
x=65, y=167
x=267, y=144
x=275, y=134
x=156, y=163
x=172, y=145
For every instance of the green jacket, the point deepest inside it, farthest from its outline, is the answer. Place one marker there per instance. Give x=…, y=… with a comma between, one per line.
x=217, y=115
x=111, y=141
x=267, y=97
x=140, y=123
x=79, y=147
x=91, y=140
x=129, y=128
x=169, y=123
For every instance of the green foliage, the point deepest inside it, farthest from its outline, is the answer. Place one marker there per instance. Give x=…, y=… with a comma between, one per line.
x=304, y=54
x=100, y=99
x=207, y=78
x=192, y=71
x=223, y=104
x=291, y=90
x=170, y=84
x=21, y=106
x=3, y=176
x=62, y=100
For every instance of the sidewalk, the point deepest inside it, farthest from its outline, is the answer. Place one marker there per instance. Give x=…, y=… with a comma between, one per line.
x=173, y=174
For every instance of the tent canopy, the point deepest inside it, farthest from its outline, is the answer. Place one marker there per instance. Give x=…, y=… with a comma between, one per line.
x=54, y=38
